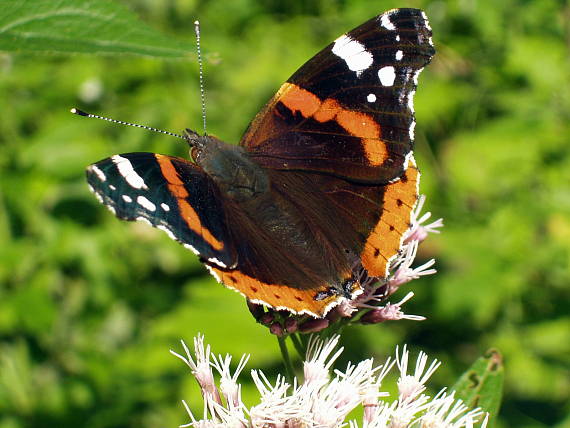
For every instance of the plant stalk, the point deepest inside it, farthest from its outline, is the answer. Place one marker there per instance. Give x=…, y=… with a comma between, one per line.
x=290, y=373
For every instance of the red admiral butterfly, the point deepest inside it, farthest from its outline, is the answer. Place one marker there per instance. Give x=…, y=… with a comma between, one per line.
x=321, y=185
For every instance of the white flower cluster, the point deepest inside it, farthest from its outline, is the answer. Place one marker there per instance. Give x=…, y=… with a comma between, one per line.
x=324, y=399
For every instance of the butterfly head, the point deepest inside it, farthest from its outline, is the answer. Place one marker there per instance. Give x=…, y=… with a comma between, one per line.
x=196, y=142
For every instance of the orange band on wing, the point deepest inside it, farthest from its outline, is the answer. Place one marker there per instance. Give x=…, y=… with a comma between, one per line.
x=189, y=214
x=298, y=99
x=385, y=240
x=277, y=296
x=356, y=123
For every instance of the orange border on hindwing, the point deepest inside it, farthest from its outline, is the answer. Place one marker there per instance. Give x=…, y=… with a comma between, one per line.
x=386, y=240
x=274, y=295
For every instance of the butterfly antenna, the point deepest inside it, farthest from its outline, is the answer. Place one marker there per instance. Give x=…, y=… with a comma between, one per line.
x=201, y=73
x=108, y=119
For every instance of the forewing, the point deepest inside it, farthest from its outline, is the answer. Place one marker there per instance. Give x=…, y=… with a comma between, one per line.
x=169, y=193
x=349, y=111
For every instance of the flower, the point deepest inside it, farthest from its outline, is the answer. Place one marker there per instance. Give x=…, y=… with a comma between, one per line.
x=325, y=397
x=411, y=386
x=418, y=231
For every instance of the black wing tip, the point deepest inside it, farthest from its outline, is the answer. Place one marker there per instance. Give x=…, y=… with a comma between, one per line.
x=405, y=18
x=405, y=12
x=414, y=23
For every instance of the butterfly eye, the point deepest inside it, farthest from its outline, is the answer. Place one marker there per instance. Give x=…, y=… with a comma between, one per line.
x=193, y=153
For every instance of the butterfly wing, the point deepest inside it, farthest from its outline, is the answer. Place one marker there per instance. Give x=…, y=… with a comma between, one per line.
x=169, y=193
x=348, y=111
x=345, y=225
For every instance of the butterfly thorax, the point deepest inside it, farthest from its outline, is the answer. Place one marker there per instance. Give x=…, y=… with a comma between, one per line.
x=230, y=167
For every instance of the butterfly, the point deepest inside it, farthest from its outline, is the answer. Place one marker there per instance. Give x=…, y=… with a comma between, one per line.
x=322, y=184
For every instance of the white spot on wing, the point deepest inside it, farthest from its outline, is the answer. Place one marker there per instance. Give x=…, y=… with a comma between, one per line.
x=98, y=196
x=129, y=174
x=218, y=262
x=112, y=187
x=165, y=207
x=112, y=209
x=410, y=159
x=191, y=248
x=98, y=172
x=424, y=16
x=144, y=220
x=167, y=230
x=371, y=98
x=145, y=203
x=387, y=75
x=214, y=274
x=411, y=100
x=416, y=76
x=127, y=198
x=397, y=37
x=399, y=55
x=354, y=53
x=386, y=23
x=412, y=130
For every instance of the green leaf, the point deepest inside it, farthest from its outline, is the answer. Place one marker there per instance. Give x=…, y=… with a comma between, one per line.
x=81, y=26
x=482, y=384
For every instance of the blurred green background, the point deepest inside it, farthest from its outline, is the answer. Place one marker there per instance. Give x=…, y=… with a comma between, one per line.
x=90, y=306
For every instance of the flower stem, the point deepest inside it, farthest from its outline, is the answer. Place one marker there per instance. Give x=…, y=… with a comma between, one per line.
x=299, y=347
x=290, y=374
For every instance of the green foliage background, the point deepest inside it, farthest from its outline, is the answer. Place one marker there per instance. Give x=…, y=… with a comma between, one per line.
x=89, y=306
